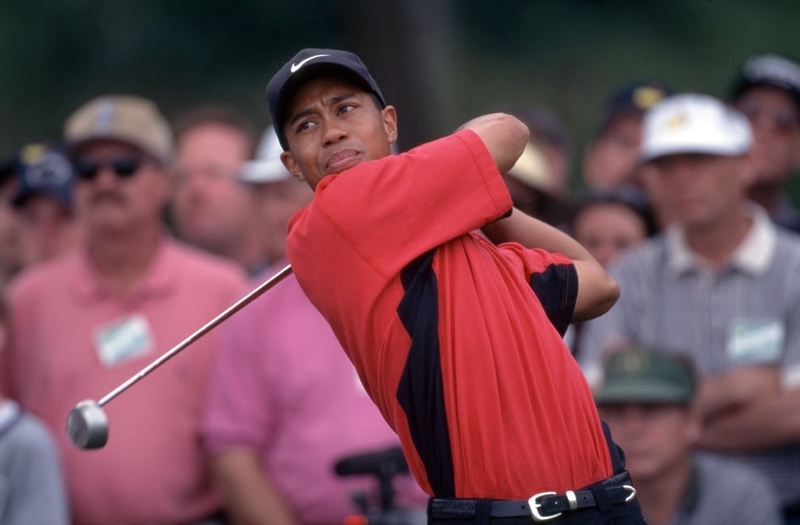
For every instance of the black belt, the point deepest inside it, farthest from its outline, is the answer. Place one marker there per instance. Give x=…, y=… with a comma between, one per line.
x=541, y=507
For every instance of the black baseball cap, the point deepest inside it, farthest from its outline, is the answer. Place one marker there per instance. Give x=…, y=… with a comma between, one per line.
x=632, y=99
x=42, y=169
x=768, y=70
x=308, y=64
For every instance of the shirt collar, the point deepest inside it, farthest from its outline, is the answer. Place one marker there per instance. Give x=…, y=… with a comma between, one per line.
x=159, y=279
x=753, y=255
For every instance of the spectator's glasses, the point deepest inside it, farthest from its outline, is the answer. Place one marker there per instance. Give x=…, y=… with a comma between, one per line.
x=124, y=167
x=782, y=121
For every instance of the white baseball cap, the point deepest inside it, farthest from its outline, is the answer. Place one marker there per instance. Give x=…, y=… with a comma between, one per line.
x=694, y=123
x=266, y=166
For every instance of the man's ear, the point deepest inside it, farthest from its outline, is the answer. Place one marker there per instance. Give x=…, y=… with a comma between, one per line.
x=389, y=115
x=291, y=165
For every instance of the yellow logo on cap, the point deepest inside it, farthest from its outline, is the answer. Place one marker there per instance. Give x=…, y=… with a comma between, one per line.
x=634, y=362
x=646, y=97
x=32, y=153
x=678, y=120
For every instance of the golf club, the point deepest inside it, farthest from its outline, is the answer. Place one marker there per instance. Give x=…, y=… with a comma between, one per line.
x=87, y=423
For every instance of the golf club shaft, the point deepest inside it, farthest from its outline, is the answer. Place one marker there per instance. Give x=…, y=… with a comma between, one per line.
x=241, y=303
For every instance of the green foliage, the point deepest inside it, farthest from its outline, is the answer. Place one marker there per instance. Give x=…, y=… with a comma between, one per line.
x=566, y=55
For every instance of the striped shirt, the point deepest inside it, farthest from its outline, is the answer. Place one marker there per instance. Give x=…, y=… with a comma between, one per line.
x=747, y=313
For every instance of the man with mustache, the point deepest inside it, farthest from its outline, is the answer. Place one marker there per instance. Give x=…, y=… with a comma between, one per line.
x=96, y=317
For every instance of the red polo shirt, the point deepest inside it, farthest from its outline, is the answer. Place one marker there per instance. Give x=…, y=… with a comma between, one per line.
x=456, y=340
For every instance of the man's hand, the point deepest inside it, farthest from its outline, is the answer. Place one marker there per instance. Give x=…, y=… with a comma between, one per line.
x=597, y=291
x=505, y=137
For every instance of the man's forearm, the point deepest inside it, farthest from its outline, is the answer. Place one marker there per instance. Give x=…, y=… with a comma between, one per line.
x=765, y=423
x=533, y=233
x=731, y=391
x=597, y=291
x=250, y=498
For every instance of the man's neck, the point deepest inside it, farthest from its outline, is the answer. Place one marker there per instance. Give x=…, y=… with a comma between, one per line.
x=661, y=498
x=247, y=249
x=716, y=243
x=123, y=259
x=250, y=252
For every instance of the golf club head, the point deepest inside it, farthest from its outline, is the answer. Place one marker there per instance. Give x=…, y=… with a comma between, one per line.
x=87, y=425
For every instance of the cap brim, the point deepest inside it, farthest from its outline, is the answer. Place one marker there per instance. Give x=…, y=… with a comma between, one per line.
x=641, y=392
x=679, y=148
x=62, y=197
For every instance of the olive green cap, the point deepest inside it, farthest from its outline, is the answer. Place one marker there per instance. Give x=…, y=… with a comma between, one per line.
x=636, y=375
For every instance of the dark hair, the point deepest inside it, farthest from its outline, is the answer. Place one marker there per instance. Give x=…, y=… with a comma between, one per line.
x=625, y=195
x=7, y=171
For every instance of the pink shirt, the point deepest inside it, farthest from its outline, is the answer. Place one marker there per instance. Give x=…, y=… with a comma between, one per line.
x=75, y=338
x=284, y=387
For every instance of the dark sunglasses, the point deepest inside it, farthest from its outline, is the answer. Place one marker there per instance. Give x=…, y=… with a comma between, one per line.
x=124, y=167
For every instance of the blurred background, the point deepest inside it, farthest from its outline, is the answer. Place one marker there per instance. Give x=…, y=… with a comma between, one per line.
x=440, y=62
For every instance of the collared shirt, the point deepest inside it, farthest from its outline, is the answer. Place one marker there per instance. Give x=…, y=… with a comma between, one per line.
x=745, y=313
x=283, y=388
x=752, y=256
x=74, y=336
x=31, y=484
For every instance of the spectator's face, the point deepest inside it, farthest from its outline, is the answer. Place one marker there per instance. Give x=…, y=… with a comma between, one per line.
x=700, y=190
x=210, y=206
x=110, y=203
x=9, y=235
x=279, y=201
x=775, y=118
x=612, y=159
x=47, y=229
x=333, y=125
x=607, y=230
x=655, y=438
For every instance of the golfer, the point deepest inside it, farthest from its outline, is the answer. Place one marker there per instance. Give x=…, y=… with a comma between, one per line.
x=456, y=336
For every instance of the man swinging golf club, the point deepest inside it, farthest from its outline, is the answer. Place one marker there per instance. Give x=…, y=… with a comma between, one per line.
x=456, y=337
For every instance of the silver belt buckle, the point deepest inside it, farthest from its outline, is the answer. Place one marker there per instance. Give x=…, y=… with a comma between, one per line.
x=534, y=505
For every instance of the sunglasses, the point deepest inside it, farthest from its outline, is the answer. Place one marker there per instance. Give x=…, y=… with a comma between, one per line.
x=123, y=167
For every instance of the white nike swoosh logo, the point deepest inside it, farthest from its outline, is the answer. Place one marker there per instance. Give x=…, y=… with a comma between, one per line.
x=297, y=66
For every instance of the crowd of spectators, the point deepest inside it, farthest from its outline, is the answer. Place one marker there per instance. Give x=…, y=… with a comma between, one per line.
x=129, y=231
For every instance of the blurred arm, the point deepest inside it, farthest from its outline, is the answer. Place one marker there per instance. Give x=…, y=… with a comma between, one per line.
x=249, y=496
x=597, y=291
x=747, y=410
